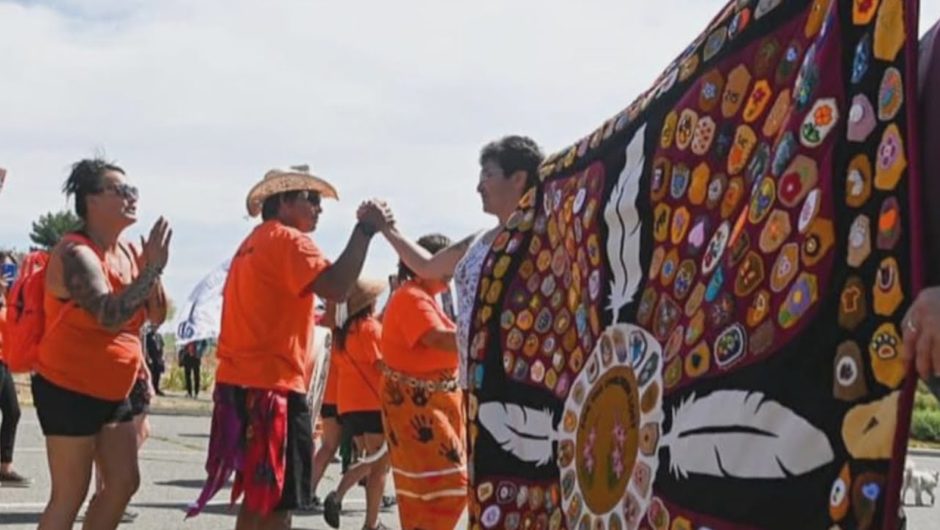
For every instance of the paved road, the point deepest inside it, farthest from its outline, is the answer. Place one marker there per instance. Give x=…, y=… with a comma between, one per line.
x=924, y=517
x=172, y=474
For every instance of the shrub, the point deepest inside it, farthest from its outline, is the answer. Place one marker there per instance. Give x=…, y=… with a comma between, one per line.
x=924, y=400
x=925, y=425
x=174, y=378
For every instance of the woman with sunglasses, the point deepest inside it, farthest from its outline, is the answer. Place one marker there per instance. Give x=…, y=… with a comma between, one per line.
x=99, y=291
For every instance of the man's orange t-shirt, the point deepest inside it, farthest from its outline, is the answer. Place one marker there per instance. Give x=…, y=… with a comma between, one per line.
x=359, y=377
x=411, y=313
x=268, y=311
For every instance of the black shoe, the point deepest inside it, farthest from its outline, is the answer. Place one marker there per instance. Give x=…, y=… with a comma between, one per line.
x=314, y=505
x=388, y=502
x=332, y=509
x=14, y=480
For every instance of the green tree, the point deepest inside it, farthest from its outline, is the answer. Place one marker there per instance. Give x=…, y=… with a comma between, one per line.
x=49, y=229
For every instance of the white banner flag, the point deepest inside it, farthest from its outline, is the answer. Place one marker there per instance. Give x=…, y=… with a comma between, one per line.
x=201, y=318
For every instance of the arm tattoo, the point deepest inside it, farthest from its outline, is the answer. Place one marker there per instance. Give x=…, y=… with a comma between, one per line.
x=88, y=287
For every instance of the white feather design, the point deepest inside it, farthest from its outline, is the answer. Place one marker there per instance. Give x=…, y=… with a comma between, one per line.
x=734, y=433
x=524, y=432
x=623, y=224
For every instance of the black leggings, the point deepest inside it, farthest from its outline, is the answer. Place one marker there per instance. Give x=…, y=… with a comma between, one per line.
x=10, y=411
x=191, y=372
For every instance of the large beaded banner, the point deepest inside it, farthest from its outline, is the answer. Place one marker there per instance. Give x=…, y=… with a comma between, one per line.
x=693, y=321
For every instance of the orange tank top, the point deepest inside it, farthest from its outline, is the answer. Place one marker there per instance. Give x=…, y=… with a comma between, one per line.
x=80, y=355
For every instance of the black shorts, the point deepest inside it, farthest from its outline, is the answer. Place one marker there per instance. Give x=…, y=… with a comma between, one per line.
x=299, y=458
x=362, y=422
x=329, y=410
x=139, y=398
x=63, y=412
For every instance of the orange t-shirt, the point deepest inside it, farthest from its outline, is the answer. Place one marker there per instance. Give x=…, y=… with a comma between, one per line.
x=78, y=354
x=359, y=378
x=267, y=312
x=412, y=312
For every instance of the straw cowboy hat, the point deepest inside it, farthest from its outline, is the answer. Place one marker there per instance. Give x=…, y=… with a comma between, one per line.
x=297, y=178
x=364, y=293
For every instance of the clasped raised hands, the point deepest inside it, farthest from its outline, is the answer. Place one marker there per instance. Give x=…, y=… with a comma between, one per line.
x=376, y=214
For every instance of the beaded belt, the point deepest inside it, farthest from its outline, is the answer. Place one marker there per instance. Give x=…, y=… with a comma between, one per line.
x=449, y=384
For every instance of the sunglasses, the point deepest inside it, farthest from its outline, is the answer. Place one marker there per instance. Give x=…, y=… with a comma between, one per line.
x=125, y=191
x=310, y=196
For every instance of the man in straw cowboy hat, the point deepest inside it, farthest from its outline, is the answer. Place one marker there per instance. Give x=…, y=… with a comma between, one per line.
x=261, y=425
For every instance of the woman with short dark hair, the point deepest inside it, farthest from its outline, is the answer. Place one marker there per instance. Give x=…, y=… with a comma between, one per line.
x=508, y=168
x=99, y=291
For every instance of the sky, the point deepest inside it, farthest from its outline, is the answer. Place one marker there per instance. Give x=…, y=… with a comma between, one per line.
x=197, y=100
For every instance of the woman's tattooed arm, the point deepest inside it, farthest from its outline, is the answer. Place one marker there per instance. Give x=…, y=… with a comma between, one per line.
x=87, y=286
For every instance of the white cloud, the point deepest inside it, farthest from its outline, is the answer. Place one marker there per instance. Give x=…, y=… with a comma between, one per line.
x=390, y=99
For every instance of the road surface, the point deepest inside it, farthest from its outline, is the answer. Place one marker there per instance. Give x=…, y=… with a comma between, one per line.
x=172, y=474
